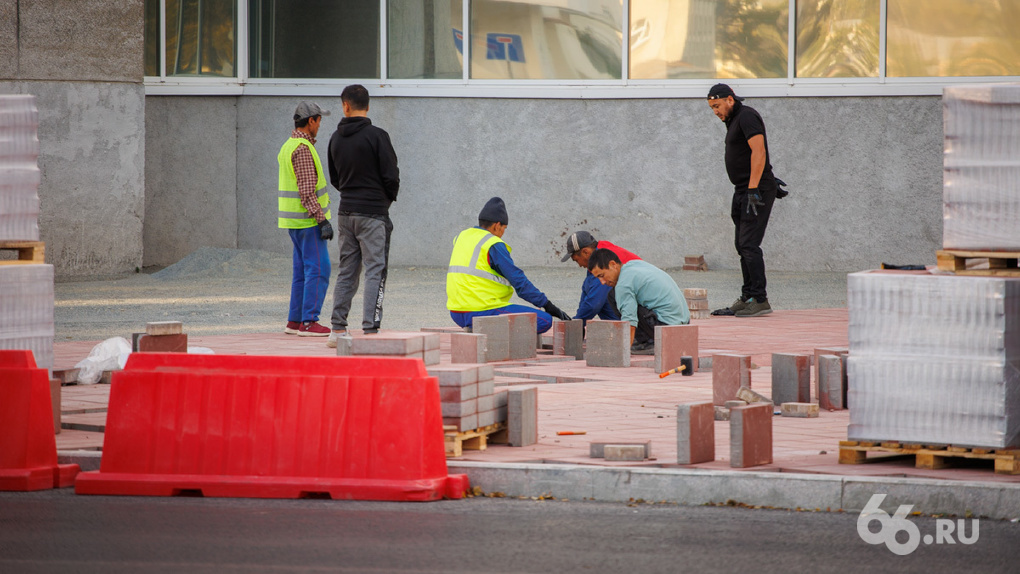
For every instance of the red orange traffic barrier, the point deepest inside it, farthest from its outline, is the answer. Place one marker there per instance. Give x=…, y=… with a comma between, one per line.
x=274, y=427
x=28, y=447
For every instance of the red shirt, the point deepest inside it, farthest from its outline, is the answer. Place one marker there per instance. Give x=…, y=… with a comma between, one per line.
x=620, y=252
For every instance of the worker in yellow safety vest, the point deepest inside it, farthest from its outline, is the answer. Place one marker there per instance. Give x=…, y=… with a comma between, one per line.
x=482, y=277
x=303, y=210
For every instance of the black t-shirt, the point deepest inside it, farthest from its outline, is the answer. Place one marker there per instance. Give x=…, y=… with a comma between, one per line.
x=743, y=124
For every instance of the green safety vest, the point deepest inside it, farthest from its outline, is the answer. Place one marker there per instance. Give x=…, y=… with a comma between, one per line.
x=290, y=213
x=471, y=284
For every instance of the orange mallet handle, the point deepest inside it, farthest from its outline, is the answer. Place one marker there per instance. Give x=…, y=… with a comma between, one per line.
x=570, y=432
x=672, y=371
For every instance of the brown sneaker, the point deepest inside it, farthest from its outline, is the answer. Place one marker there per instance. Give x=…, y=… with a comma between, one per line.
x=738, y=305
x=755, y=308
x=313, y=329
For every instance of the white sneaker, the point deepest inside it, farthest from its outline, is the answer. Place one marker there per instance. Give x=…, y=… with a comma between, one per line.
x=332, y=341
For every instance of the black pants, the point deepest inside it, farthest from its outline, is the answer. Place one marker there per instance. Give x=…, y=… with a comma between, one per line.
x=750, y=230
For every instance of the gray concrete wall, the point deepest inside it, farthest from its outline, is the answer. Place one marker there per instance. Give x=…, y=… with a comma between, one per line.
x=866, y=175
x=82, y=60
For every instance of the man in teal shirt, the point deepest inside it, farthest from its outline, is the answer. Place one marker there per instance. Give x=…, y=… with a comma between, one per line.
x=645, y=295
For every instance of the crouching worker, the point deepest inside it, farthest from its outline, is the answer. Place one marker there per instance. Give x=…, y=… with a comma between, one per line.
x=482, y=277
x=645, y=295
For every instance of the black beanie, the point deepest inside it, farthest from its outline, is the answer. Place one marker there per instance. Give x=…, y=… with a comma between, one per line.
x=494, y=210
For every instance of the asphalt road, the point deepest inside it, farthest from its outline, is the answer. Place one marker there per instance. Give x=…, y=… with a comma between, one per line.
x=58, y=531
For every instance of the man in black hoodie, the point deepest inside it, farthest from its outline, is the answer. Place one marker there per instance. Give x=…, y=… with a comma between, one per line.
x=363, y=166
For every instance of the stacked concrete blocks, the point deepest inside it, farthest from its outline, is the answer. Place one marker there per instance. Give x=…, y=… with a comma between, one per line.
x=523, y=328
x=467, y=396
x=831, y=382
x=26, y=310
x=673, y=342
x=19, y=169
x=161, y=337
x=496, y=329
x=568, y=338
x=467, y=348
x=695, y=263
x=729, y=373
x=424, y=346
x=751, y=435
x=522, y=416
x=608, y=344
x=695, y=433
x=791, y=378
x=697, y=303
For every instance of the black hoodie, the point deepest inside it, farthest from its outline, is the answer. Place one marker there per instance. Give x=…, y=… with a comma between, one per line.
x=363, y=166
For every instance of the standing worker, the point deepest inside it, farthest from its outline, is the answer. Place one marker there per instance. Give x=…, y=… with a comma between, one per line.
x=754, y=192
x=596, y=299
x=482, y=277
x=303, y=210
x=363, y=166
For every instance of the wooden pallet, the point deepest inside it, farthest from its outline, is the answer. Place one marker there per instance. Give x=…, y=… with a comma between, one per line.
x=458, y=442
x=1000, y=263
x=1007, y=461
x=28, y=252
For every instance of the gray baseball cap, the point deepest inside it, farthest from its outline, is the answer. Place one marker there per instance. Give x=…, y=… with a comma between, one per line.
x=578, y=241
x=308, y=110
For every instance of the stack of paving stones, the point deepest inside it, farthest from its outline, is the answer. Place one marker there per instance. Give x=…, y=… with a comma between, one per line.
x=468, y=396
x=26, y=283
x=161, y=337
x=697, y=303
x=409, y=345
x=695, y=263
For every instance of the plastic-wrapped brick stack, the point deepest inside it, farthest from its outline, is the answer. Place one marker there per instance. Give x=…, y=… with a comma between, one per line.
x=981, y=165
x=933, y=359
x=26, y=290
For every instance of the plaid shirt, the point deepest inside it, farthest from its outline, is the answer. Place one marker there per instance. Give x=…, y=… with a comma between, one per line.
x=307, y=177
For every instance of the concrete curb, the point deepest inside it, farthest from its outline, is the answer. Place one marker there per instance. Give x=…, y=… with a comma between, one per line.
x=696, y=487
x=773, y=489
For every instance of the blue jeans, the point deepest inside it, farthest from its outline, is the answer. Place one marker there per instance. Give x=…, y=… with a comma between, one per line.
x=311, y=274
x=463, y=318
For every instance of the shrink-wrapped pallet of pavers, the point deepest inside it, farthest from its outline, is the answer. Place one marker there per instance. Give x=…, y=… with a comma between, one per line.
x=934, y=359
x=19, y=169
x=26, y=310
x=981, y=167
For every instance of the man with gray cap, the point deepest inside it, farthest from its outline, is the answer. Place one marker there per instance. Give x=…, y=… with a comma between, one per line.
x=596, y=298
x=755, y=189
x=363, y=166
x=303, y=210
x=482, y=276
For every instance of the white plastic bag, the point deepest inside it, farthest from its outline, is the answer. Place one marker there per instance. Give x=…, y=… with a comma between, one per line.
x=109, y=355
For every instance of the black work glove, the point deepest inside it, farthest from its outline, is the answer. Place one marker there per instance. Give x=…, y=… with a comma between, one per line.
x=555, y=311
x=325, y=230
x=754, y=200
x=780, y=192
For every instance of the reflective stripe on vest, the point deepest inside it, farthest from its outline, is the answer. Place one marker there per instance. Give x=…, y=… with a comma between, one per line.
x=471, y=284
x=290, y=213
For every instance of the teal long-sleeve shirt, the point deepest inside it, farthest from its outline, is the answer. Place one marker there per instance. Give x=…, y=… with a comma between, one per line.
x=641, y=283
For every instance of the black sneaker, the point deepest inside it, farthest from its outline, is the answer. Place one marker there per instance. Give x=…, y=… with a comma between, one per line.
x=646, y=348
x=755, y=308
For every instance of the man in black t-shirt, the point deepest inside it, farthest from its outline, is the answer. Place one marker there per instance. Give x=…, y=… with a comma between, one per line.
x=754, y=192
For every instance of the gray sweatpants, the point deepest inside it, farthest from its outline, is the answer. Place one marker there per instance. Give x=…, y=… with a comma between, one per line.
x=363, y=240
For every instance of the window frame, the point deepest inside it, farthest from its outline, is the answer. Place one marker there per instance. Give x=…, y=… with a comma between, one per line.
x=465, y=87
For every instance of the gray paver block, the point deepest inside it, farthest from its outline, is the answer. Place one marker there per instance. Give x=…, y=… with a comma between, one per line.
x=496, y=328
x=791, y=378
x=608, y=344
x=523, y=330
x=522, y=416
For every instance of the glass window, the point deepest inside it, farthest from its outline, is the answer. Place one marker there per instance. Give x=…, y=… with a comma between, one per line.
x=550, y=39
x=953, y=38
x=708, y=39
x=837, y=38
x=151, y=37
x=313, y=39
x=424, y=39
x=200, y=38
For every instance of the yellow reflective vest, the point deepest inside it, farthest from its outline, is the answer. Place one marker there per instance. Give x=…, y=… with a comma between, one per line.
x=290, y=213
x=471, y=284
